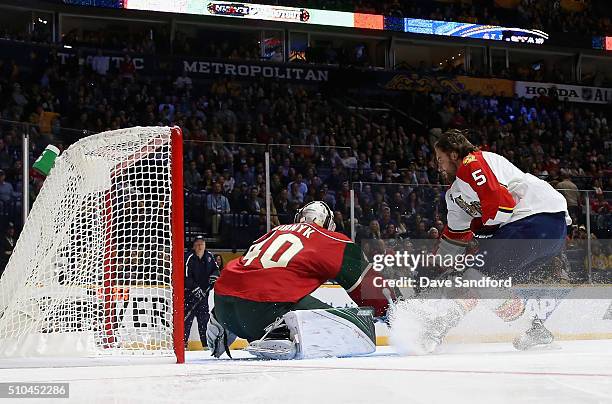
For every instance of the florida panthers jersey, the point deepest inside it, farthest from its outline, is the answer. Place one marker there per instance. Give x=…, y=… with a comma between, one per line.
x=489, y=186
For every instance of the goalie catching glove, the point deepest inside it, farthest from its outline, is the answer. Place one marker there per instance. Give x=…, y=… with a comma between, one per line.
x=218, y=338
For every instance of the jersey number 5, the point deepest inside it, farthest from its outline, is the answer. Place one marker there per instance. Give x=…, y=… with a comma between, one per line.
x=479, y=177
x=277, y=254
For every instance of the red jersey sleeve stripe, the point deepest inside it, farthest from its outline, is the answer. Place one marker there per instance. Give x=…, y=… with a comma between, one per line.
x=458, y=231
x=460, y=237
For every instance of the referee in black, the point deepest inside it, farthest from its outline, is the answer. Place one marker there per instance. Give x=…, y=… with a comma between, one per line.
x=201, y=272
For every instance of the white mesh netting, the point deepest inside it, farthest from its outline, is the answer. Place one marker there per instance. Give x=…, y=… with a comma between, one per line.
x=91, y=271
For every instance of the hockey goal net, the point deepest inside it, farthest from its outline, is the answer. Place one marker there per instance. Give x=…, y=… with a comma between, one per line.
x=97, y=269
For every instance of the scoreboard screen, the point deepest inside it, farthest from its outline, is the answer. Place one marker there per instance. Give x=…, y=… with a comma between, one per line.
x=326, y=18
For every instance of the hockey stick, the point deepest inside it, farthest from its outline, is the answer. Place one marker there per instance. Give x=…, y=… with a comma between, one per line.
x=199, y=302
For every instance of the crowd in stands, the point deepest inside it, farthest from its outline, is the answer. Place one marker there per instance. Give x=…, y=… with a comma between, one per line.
x=142, y=42
x=549, y=15
x=188, y=41
x=217, y=45
x=561, y=142
x=39, y=33
x=538, y=72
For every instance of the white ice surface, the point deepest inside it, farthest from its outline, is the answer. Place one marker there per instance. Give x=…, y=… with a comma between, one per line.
x=571, y=372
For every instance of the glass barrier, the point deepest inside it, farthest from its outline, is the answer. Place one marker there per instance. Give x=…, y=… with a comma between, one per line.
x=325, y=173
x=226, y=199
x=225, y=191
x=225, y=187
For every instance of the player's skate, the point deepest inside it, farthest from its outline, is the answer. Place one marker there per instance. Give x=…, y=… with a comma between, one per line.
x=436, y=328
x=275, y=344
x=425, y=322
x=537, y=335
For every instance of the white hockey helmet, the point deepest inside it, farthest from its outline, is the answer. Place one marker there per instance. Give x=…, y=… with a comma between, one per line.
x=316, y=212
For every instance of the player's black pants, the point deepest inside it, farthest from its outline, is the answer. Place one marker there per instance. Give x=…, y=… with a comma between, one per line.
x=248, y=319
x=201, y=313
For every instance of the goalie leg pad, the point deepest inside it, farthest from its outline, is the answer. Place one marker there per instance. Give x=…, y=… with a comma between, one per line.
x=332, y=332
x=319, y=333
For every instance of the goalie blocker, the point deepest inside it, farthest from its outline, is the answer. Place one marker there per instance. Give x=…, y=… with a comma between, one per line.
x=264, y=296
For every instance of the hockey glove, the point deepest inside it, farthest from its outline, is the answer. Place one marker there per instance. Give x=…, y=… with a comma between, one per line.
x=480, y=230
x=218, y=338
x=211, y=281
x=198, y=293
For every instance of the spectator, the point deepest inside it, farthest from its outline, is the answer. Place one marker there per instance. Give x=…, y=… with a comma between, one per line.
x=217, y=205
x=166, y=111
x=100, y=63
x=192, y=178
x=327, y=196
x=245, y=175
x=386, y=219
x=301, y=185
x=19, y=99
x=294, y=195
x=373, y=231
x=255, y=203
x=219, y=261
x=239, y=198
x=45, y=120
x=599, y=205
x=7, y=244
x=7, y=192
x=283, y=207
x=421, y=233
x=390, y=232
x=570, y=191
x=433, y=233
x=127, y=68
x=341, y=225
x=183, y=82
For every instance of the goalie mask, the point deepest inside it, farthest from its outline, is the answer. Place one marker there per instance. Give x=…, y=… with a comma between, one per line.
x=316, y=212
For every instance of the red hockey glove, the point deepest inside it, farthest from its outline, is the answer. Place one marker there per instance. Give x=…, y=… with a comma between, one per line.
x=480, y=230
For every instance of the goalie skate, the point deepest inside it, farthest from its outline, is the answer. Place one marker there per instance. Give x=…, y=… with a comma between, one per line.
x=276, y=343
x=535, y=336
x=276, y=349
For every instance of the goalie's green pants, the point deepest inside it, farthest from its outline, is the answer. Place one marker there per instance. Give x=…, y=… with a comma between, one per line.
x=248, y=319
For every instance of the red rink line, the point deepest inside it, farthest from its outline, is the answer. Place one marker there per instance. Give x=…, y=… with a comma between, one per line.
x=486, y=372
x=281, y=369
x=157, y=376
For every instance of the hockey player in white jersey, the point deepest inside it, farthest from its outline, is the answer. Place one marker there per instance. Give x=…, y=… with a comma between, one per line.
x=490, y=197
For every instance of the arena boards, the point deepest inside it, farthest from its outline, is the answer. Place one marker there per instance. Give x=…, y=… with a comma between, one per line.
x=592, y=319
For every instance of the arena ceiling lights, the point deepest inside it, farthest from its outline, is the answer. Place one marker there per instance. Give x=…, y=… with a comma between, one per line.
x=339, y=19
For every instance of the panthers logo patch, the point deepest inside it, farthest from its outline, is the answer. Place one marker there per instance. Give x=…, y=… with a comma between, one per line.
x=473, y=209
x=468, y=159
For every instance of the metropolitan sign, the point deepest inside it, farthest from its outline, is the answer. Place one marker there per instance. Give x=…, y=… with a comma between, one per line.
x=592, y=95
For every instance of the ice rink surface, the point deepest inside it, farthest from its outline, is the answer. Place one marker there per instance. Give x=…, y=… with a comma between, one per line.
x=570, y=372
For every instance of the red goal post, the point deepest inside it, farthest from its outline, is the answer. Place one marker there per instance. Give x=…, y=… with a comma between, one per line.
x=178, y=244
